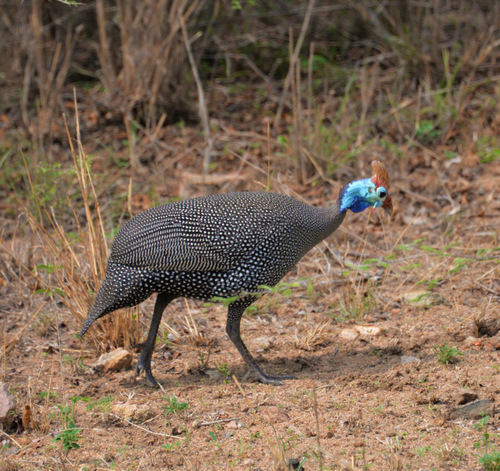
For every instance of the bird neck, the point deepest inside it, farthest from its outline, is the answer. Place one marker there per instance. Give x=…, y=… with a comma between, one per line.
x=331, y=218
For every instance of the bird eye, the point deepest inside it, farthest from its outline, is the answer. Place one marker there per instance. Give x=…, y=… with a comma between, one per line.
x=382, y=192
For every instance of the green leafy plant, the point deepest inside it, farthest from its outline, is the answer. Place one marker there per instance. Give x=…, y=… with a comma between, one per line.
x=447, y=354
x=69, y=438
x=223, y=369
x=172, y=446
x=174, y=406
x=491, y=461
x=70, y=435
x=104, y=405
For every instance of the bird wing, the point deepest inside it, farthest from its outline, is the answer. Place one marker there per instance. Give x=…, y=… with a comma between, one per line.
x=179, y=237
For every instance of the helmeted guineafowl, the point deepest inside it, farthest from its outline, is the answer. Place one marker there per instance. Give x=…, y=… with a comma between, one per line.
x=227, y=245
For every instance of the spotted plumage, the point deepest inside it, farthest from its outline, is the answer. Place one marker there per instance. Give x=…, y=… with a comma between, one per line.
x=227, y=245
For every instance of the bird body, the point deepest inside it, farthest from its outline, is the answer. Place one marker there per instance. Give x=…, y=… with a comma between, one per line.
x=219, y=246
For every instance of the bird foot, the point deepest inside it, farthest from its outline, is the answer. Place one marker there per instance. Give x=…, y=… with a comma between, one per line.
x=144, y=365
x=265, y=378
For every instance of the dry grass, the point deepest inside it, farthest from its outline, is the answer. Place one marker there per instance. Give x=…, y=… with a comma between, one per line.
x=312, y=338
x=189, y=333
x=72, y=272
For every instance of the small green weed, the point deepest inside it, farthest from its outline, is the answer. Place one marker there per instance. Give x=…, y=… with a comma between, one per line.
x=174, y=406
x=104, y=405
x=223, y=369
x=491, y=461
x=491, y=458
x=69, y=438
x=172, y=446
x=427, y=131
x=447, y=354
x=70, y=435
x=423, y=450
x=47, y=394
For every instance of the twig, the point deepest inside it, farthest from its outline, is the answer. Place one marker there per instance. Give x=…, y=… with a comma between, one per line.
x=293, y=60
x=10, y=438
x=485, y=288
x=326, y=386
x=201, y=100
x=145, y=429
x=220, y=421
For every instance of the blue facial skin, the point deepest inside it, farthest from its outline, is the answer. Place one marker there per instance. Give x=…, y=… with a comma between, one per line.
x=361, y=194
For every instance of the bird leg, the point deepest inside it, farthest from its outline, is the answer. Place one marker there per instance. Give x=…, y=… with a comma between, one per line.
x=235, y=311
x=144, y=363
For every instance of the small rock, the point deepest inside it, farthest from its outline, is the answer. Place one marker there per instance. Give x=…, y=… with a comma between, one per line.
x=368, y=330
x=349, y=334
x=463, y=396
x=407, y=359
x=423, y=298
x=474, y=411
x=119, y=359
x=133, y=412
x=233, y=424
x=6, y=402
x=293, y=463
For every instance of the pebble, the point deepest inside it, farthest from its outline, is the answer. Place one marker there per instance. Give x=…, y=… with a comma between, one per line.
x=368, y=330
x=463, y=396
x=424, y=298
x=6, y=402
x=348, y=334
x=119, y=359
x=474, y=411
x=133, y=412
x=407, y=359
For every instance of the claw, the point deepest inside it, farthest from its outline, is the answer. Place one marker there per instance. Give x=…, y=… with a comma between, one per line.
x=144, y=365
x=276, y=380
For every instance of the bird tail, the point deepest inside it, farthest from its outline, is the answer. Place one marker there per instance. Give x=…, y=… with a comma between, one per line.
x=122, y=287
x=101, y=306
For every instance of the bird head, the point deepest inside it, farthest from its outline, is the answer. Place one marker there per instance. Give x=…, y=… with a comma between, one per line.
x=374, y=191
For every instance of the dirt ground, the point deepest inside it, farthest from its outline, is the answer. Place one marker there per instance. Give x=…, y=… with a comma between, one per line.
x=360, y=323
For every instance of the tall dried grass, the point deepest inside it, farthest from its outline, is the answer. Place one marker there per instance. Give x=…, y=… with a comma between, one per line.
x=74, y=270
